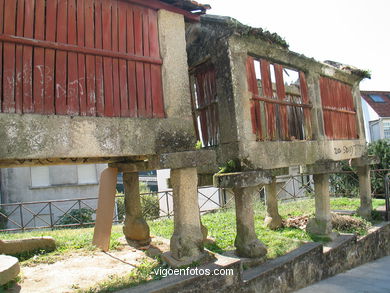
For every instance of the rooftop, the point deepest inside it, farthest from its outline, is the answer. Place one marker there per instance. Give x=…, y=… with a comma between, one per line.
x=379, y=101
x=189, y=5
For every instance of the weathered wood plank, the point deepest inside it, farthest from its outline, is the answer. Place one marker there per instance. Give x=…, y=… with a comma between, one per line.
x=18, y=58
x=61, y=60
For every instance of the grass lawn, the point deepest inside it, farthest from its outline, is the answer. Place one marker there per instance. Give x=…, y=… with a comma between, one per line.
x=221, y=226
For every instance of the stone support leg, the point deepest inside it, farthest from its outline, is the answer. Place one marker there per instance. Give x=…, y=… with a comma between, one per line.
x=365, y=208
x=322, y=223
x=246, y=241
x=273, y=220
x=187, y=239
x=135, y=228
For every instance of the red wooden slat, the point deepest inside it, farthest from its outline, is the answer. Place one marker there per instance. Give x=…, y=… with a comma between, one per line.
x=90, y=60
x=73, y=86
x=252, y=86
x=51, y=24
x=138, y=45
x=81, y=57
x=107, y=62
x=145, y=35
x=155, y=70
x=99, y=60
x=1, y=54
x=122, y=38
x=131, y=72
x=305, y=100
x=28, y=106
x=9, y=60
x=281, y=93
x=201, y=103
x=61, y=59
x=268, y=92
x=19, y=59
x=39, y=58
x=115, y=62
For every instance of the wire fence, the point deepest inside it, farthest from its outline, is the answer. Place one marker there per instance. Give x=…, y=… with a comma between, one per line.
x=81, y=212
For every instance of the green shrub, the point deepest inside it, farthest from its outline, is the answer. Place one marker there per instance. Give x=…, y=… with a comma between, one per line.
x=3, y=219
x=381, y=149
x=345, y=184
x=77, y=216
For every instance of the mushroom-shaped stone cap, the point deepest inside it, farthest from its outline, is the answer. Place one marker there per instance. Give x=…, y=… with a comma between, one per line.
x=9, y=268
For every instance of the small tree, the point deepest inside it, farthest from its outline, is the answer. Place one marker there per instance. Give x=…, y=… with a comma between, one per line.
x=381, y=149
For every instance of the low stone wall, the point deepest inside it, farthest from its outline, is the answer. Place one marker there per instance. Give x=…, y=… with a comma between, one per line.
x=308, y=264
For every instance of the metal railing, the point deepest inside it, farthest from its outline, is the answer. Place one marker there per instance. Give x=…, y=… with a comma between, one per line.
x=387, y=196
x=81, y=212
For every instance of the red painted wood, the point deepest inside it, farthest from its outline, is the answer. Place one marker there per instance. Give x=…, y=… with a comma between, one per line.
x=122, y=39
x=305, y=100
x=268, y=92
x=1, y=53
x=9, y=60
x=281, y=93
x=81, y=57
x=132, y=83
x=148, y=85
x=99, y=60
x=61, y=60
x=28, y=106
x=138, y=46
x=107, y=62
x=252, y=86
x=73, y=106
x=19, y=59
x=115, y=62
x=39, y=58
x=51, y=24
x=90, y=60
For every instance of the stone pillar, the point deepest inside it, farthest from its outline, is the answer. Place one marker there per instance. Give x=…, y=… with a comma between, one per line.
x=246, y=241
x=365, y=208
x=135, y=228
x=322, y=223
x=187, y=239
x=273, y=220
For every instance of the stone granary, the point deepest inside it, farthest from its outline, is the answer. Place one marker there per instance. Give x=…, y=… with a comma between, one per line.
x=107, y=81
x=264, y=109
x=104, y=81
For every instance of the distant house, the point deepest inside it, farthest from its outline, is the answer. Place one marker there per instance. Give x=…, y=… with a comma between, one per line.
x=376, y=112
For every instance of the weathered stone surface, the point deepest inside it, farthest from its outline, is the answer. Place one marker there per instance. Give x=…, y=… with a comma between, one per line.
x=365, y=208
x=322, y=223
x=9, y=268
x=246, y=241
x=273, y=220
x=204, y=159
x=187, y=239
x=135, y=227
x=242, y=179
x=14, y=247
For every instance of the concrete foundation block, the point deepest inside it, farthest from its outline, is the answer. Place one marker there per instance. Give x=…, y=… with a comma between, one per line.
x=14, y=247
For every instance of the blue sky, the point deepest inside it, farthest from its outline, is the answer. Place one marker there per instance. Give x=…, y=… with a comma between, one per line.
x=351, y=32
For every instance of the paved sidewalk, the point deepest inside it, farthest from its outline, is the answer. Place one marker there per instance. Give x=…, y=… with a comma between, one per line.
x=373, y=277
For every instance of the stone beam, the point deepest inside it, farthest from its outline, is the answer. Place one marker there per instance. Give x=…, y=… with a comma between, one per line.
x=242, y=179
x=322, y=167
x=365, y=161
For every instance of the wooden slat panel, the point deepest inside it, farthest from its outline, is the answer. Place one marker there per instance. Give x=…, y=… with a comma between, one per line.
x=131, y=70
x=107, y=62
x=305, y=100
x=252, y=86
x=268, y=92
x=39, y=58
x=115, y=61
x=281, y=92
x=9, y=60
x=148, y=85
x=61, y=59
x=122, y=38
x=155, y=70
x=90, y=60
x=19, y=58
x=73, y=87
x=81, y=58
x=140, y=78
x=99, y=60
x=28, y=106
x=51, y=24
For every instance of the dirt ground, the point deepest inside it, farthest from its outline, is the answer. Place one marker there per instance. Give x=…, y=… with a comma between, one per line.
x=78, y=271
